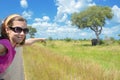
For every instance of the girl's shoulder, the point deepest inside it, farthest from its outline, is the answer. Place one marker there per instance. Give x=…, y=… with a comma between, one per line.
x=4, y=41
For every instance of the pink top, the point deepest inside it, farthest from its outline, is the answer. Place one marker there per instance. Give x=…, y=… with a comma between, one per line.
x=6, y=59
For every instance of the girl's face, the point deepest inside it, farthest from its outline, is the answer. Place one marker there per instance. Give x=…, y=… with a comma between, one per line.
x=17, y=32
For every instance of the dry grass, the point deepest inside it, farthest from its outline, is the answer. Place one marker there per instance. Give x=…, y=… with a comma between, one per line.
x=43, y=64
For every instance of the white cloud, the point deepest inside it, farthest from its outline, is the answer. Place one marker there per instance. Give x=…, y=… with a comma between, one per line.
x=24, y=3
x=62, y=17
x=92, y=4
x=47, y=29
x=111, y=31
x=43, y=22
x=46, y=18
x=43, y=19
x=116, y=11
x=27, y=14
x=66, y=7
x=38, y=20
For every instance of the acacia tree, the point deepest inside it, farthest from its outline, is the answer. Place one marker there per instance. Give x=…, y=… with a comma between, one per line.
x=32, y=31
x=93, y=17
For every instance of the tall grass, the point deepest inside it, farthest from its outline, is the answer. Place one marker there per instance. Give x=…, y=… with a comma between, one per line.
x=60, y=60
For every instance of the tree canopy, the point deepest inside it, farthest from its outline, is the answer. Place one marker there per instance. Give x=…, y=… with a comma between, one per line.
x=32, y=31
x=93, y=17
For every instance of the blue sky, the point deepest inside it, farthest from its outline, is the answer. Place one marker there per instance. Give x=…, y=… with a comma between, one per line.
x=51, y=18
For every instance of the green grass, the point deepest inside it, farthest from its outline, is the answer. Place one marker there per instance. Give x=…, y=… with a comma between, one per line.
x=75, y=60
x=105, y=55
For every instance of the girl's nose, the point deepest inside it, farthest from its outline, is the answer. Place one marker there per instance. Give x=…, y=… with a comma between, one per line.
x=22, y=33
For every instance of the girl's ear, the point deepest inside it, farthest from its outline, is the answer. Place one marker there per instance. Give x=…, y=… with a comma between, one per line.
x=7, y=30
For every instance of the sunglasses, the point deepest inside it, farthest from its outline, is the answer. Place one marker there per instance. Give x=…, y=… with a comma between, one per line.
x=19, y=30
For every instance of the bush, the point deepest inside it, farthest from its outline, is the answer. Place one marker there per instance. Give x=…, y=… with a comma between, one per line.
x=50, y=38
x=102, y=42
x=68, y=39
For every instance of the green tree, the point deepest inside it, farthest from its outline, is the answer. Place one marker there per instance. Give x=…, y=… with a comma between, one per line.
x=32, y=31
x=118, y=34
x=93, y=17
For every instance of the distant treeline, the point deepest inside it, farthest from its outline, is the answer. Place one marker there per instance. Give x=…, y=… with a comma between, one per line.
x=106, y=41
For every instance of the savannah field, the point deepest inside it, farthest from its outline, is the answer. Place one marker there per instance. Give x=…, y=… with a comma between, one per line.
x=71, y=60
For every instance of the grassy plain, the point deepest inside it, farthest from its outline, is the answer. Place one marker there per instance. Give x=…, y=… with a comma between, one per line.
x=74, y=60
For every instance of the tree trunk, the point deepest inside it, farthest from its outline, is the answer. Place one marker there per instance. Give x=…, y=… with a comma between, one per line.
x=98, y=39
x=97, y=30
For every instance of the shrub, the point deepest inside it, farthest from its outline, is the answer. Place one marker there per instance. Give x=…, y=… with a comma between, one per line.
x=68, y=39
